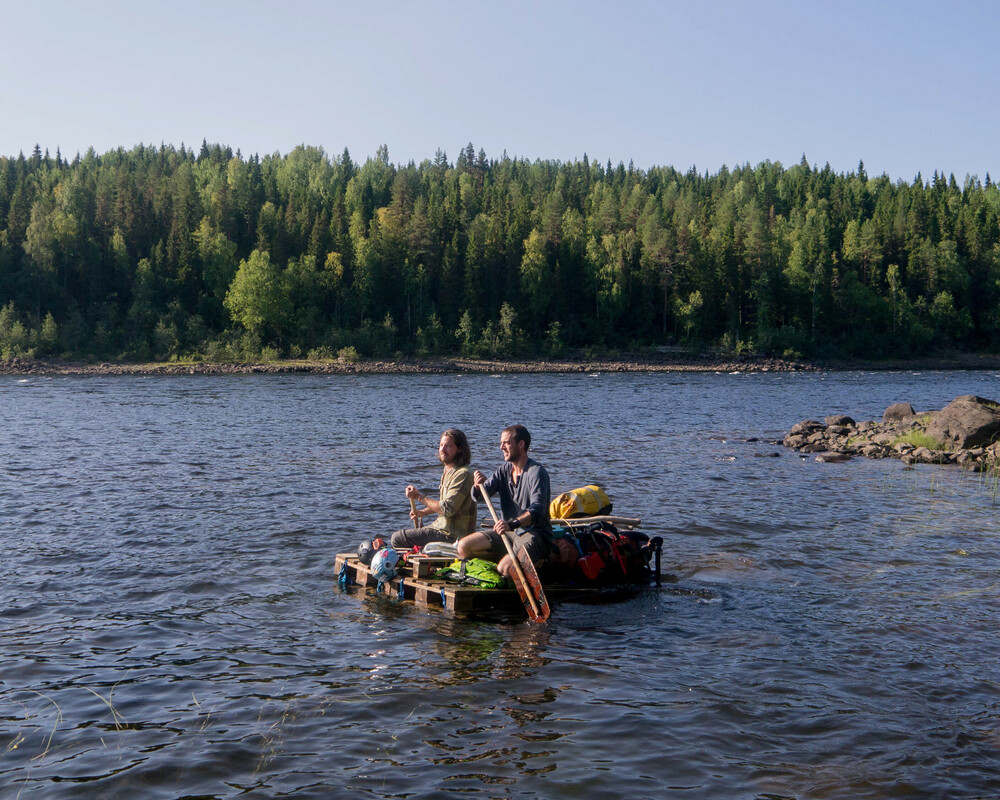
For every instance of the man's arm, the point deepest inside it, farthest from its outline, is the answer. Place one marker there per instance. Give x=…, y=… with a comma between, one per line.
x=488, y=487
x=413, y=493
x=491, y=484
x=432, y=506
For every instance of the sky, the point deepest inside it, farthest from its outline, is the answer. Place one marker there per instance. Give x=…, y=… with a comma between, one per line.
x=906, y=86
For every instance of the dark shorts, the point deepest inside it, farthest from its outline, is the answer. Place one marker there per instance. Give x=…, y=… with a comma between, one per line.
x=409, y=538
x=536, y=545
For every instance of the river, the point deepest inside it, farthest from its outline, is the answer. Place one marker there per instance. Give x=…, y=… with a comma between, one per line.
x=171, y=625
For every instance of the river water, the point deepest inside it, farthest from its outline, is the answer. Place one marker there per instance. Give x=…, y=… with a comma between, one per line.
x=171, y=626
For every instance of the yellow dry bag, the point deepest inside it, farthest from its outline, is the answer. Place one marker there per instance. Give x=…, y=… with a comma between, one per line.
x=588, y=501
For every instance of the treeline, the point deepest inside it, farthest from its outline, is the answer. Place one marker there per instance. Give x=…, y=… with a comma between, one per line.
x=158, y=252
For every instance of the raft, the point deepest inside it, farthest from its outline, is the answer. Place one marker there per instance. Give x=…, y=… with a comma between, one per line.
x=415, y=582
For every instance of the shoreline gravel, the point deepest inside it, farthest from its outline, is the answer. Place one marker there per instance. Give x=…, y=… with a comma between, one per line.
x=672, y=363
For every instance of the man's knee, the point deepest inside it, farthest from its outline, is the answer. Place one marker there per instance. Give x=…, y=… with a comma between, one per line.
x=473, y=546
x=465, y=547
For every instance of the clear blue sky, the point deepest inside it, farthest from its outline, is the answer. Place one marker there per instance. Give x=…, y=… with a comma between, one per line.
x=907, y=86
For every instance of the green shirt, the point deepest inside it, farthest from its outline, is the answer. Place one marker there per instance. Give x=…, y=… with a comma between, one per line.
x=458, y=508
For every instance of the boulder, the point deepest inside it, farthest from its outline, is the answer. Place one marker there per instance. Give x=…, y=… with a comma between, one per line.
x=926, y=456
x=897, y=412
x=833, y=458
x=839, y=419
x=806, y=427
x=966, y=422
x=794, y=442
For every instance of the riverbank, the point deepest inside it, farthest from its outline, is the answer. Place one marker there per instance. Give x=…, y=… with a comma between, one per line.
x=665, y=362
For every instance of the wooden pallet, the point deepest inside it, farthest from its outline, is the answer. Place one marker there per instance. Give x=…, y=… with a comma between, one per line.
x=419, y=586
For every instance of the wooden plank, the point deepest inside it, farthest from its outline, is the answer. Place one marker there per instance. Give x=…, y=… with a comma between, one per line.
x=456, y=602
x=428, y=596
x=448, y=599
x=426, y=566
x=464, y=599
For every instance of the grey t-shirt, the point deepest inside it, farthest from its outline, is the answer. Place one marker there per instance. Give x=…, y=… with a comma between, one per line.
x=531, y=493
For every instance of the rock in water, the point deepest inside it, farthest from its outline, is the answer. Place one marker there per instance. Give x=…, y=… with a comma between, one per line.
x=833, y=458
x=806, y=427
x=897, y=412
x=967, y=421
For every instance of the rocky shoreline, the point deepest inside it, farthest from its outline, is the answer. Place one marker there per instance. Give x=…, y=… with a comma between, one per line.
x=672, y=360
x=966, y=432
x=18, y=366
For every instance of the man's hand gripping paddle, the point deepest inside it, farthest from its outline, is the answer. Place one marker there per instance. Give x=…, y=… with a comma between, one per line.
x=529, y=586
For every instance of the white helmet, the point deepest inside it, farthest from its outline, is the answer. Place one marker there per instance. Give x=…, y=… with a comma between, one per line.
x=384, y=564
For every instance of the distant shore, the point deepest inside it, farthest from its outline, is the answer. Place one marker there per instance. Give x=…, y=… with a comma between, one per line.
x=667, y=362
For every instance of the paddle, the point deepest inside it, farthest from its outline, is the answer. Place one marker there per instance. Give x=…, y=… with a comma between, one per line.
x=526, y=579
x=413, y=510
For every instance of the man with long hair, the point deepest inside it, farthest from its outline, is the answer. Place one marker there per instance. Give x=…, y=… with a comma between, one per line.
x=455, y=506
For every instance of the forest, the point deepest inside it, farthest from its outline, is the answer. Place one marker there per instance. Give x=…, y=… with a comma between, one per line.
x=160, y=253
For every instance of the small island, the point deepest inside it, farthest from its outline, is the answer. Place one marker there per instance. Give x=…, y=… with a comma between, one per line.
x=966, y=432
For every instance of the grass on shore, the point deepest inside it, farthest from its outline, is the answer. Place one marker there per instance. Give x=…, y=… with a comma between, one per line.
x=919, y=438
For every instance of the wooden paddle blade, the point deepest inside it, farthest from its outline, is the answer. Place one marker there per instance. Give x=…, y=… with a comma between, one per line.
x=525, y=577
x=532, y=585
x=523, y=589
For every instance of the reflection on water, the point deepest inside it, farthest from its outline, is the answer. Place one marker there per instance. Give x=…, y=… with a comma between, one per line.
x=171, y=625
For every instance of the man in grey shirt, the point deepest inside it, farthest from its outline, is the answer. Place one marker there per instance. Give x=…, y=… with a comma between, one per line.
x=523, y=486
